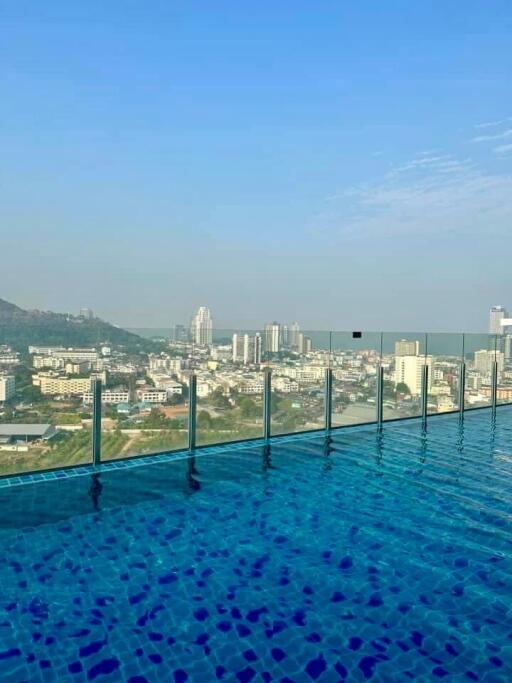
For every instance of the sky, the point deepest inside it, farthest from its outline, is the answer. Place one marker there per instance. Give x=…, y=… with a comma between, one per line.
x=344, y=164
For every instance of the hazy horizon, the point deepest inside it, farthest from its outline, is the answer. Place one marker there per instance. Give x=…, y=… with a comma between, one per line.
x=348, y=166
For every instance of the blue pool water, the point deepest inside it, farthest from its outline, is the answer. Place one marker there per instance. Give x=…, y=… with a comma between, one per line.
x=349, y=559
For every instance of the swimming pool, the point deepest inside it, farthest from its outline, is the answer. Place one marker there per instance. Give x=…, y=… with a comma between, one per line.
x=354, y=557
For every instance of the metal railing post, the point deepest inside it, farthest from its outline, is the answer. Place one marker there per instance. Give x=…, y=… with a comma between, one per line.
x=424, y=395
x=380, y=397
x=494, y=387
x=192, y=412
x=328, y=399
x=96, y=421
x=267, y=403
x=462, y=389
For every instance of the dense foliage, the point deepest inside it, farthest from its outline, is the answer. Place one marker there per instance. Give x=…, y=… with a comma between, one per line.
x=19, y=328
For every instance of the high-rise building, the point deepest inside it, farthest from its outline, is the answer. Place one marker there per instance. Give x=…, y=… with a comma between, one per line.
x=406, y=347
x=484, y=360
x=409, y=371
x=294, y=336
x=179, y=333
x=272, y=337
x=496, y=315
x=257, y=348
x=201, y=328
x=285, y=337
x=508, y=348
x=7, y=387
x=86, y=313
x=304, y=344
x=240, y=344
x=246, y=349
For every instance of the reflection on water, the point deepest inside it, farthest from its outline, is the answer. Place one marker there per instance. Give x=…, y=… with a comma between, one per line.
x=95, y=490
x=287, y=549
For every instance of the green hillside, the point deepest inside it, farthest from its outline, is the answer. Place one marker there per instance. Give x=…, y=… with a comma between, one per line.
x=19, y=328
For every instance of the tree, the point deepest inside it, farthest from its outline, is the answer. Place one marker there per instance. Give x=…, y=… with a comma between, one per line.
x=218, y=399
x=402, y=388
x=204, y=420
x=248, y=408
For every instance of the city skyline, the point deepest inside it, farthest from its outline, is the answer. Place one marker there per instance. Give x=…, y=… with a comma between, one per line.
x=347, y=162
x=200, y=326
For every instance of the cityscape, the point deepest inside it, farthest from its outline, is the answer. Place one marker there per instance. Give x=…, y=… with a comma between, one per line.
x=46, y=391
x=255, y=342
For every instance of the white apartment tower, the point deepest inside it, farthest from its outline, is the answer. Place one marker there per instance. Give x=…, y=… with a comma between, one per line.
x=258, y=347
x=484, y=361
x=496, y=315
x=246, y=349
x=409, y=371
x=272, y=337
x=7, y=387
x=294, y=336
x=285, y=337
x=406, y=347
x=201, y=329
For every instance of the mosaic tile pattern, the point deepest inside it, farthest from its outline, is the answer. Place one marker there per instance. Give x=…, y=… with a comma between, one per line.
x=354, y=558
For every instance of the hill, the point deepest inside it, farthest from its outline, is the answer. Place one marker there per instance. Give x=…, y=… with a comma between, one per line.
x=19, y=328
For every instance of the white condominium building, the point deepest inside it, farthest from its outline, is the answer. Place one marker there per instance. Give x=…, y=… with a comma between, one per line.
x=272, y=337
x=201, y=329
x=496, y=315
x=246, y=348
x=7, y=387
x=406, y=347
x=484, y=360
x=409, y=371
x=294, y=332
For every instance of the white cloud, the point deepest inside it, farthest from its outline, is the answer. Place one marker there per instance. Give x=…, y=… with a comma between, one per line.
x=427, y=196
x=497, y=136
x=493, y=124
x=503, y=149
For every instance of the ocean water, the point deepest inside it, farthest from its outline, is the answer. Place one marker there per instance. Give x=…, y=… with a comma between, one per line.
x=344, y=558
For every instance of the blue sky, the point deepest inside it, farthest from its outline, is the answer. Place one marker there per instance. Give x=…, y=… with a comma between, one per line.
x=345, y=164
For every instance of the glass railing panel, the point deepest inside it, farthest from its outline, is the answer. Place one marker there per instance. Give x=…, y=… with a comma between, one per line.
x=230, y=413
x=504, y=360
x=298, y=382
x=403, y=357
x=479, y=352
x=444, y=358
x=355, y=361
x=228, y=367
x=43, y=424
x=145, y=402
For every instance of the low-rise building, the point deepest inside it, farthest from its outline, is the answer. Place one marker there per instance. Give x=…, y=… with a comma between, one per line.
x=152, y=395
x=43, y=361
x=77, y=367
x=26, y=432
x=165, y=363
x=8, y=356
x=109, y=396
x=65, y=386
x=285, y=385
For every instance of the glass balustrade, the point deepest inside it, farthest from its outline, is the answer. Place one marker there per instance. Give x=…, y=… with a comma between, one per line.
x=46, y=397
x=356, y=359
x=444, y=358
